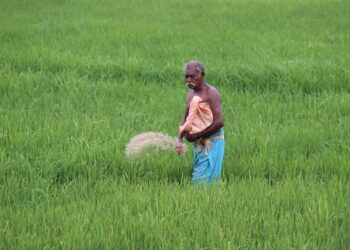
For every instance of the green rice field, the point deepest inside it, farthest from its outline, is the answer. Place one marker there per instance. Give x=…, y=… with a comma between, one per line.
x=78, y=79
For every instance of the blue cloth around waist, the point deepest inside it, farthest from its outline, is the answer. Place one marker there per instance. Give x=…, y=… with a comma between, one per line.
x=207, y=168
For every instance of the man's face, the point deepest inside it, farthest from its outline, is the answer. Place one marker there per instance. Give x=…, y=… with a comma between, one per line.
x=193, y=78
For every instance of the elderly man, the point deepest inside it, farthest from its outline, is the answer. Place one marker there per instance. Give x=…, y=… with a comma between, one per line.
x=208, y=143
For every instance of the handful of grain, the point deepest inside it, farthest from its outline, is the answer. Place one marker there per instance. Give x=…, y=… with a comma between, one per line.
x=145, y=140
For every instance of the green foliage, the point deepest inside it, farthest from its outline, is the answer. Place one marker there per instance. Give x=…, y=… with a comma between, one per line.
x=79, y=79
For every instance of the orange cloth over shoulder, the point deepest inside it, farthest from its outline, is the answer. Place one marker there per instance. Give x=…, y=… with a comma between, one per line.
x=199, y=116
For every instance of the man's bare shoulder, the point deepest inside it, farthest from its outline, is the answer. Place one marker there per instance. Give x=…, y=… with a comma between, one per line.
x=190, y=95
x=213, y=92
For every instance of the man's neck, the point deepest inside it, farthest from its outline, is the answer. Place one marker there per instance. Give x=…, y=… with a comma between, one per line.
x=200, y=87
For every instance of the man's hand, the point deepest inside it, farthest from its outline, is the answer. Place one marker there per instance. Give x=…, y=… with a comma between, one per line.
x=180, y=149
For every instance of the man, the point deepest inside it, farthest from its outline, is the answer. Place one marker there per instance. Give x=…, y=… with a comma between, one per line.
x=209, y=143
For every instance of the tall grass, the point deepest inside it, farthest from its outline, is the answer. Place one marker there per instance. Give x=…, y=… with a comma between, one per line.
x=79, y=79
x=158, y=215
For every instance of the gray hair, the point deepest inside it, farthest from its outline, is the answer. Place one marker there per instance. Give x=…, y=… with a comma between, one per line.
x=197, y=64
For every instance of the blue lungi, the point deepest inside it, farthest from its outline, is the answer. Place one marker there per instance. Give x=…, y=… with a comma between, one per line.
x=207, y=167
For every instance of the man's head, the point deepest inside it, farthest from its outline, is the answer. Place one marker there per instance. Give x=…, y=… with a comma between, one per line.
x=194, y=74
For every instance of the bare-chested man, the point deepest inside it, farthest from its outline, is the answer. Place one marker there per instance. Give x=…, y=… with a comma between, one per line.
x=209, y=143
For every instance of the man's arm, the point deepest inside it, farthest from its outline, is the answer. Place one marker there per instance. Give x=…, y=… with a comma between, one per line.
x=188, y=100
x=179, y=146
x=214, y=100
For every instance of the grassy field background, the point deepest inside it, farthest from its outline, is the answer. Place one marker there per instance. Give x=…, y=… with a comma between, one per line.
x=79, y=79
